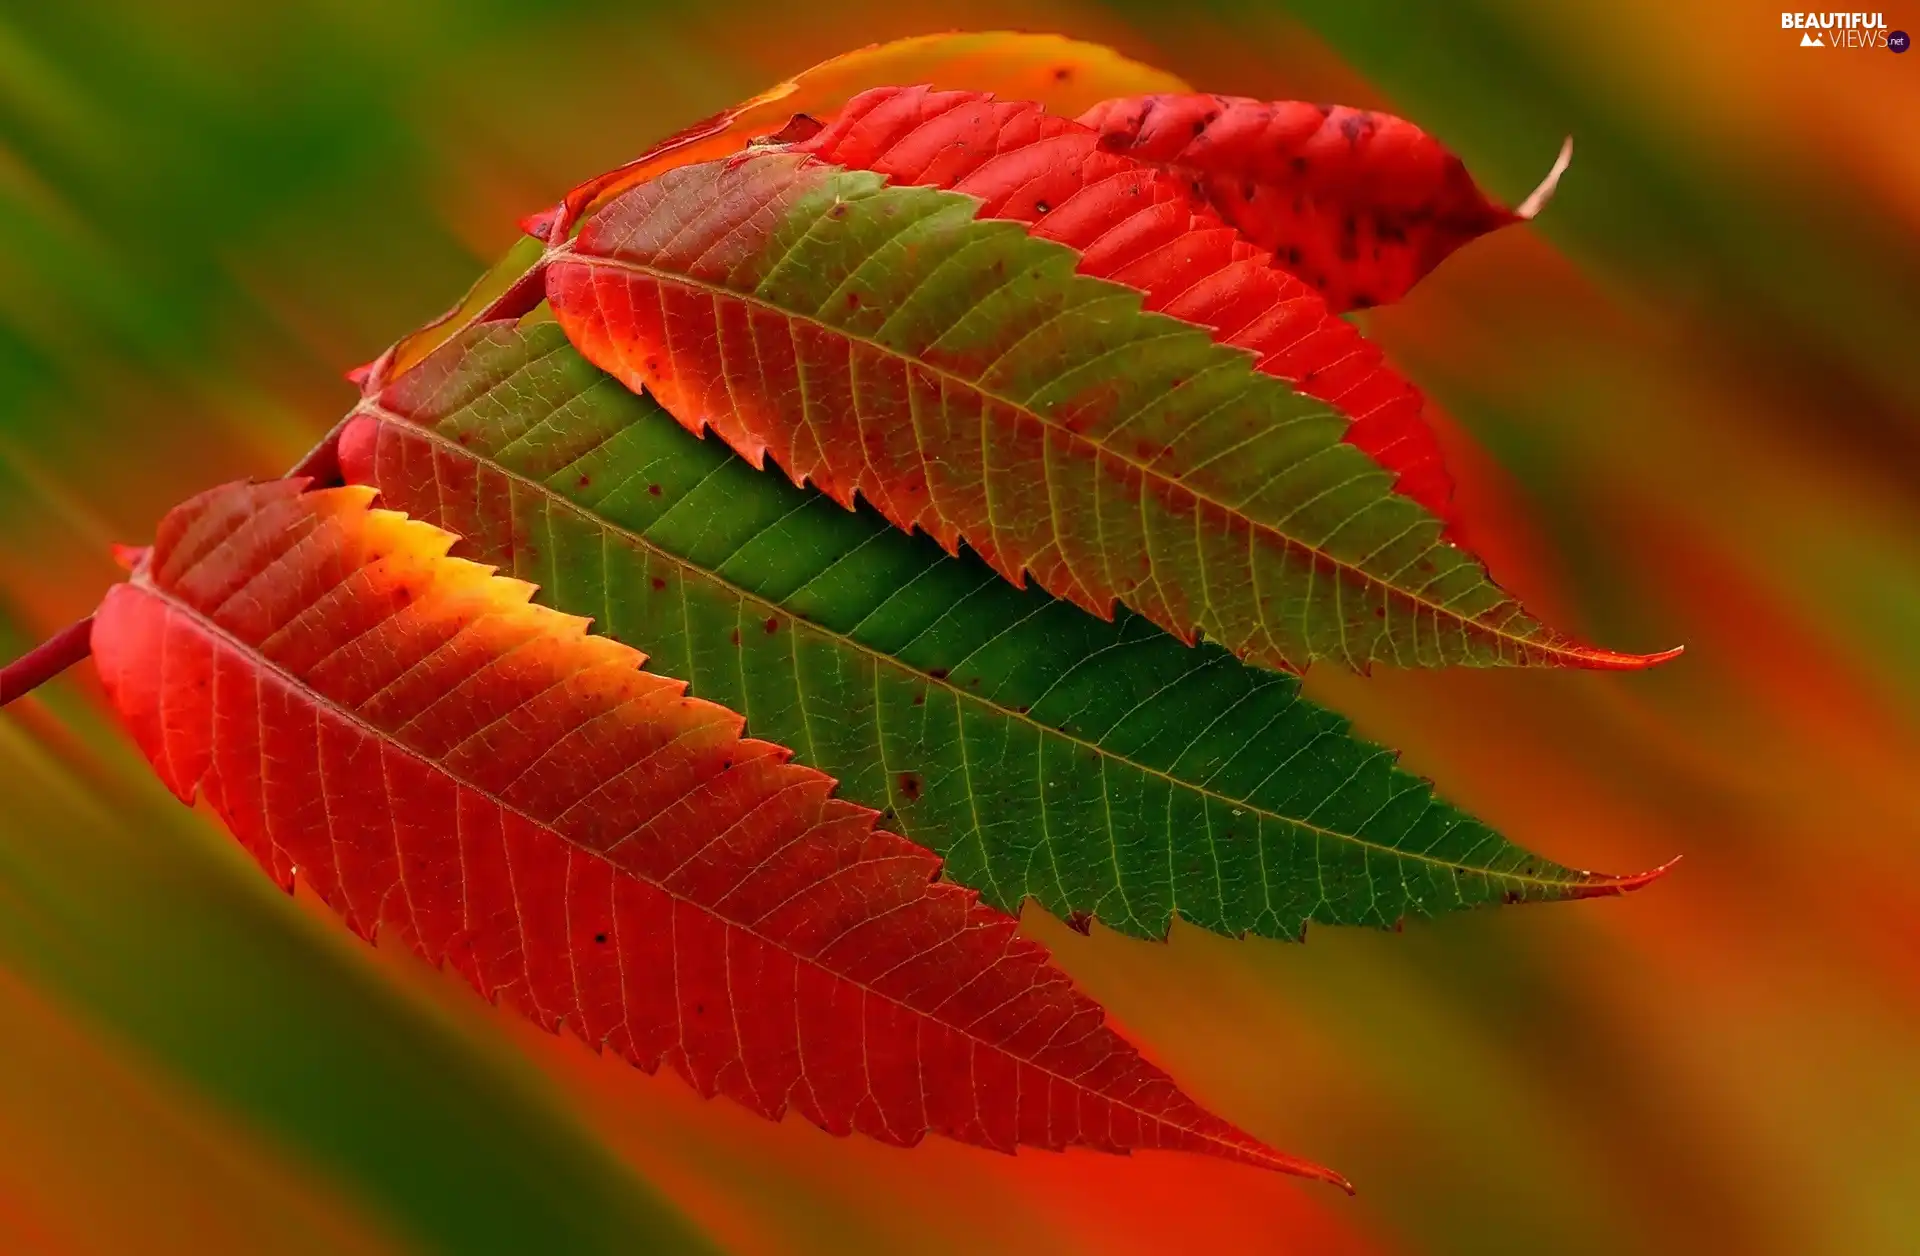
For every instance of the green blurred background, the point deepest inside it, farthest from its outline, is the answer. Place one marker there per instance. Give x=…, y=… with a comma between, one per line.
x=1687, y=407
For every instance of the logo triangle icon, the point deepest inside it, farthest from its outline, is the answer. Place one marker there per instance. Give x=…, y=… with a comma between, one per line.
x=1811, y=40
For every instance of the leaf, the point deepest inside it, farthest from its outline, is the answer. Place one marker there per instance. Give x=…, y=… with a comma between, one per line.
x=1270, y=314
x=1067, y=75
x=438, y=757
x=958, y=374
x=1358, y=204
x=1103, y=769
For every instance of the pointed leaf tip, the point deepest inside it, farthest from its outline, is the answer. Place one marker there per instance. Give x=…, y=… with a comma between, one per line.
x=1319, y=1173
x=1614, y=661
x=1538, y=198
x=1627, y=885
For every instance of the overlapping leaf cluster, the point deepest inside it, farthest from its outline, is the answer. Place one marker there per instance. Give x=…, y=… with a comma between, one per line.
x=745, y=772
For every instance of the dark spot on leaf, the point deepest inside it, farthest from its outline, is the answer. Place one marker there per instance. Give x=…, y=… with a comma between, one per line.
x=1299, y=165
x=1248, y=191
x=658, y=583
x=1061, y=73
x=653, y=490
x=1080, y=922
x=839, y=210
x=938, y=673
x=772, y=625
x=1041, y=207
x=1363, y=301
x=584, y=480
x=734, y=636
x=600, y=938
x=699, y=1009
x=1379, y=612
x=1293, y=255
x=911, y=785
x=1022, y=710
x=853, y=300
x=919, y=699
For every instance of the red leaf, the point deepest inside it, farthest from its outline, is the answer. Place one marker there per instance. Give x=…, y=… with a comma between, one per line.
x=1137, y=225
x=1360, y=205
x=437, y=756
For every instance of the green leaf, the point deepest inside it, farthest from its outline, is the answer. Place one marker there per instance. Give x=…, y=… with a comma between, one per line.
x=977, y=381
x=1104, y=769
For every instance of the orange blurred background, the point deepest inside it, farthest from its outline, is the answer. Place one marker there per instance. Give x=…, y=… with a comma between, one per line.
x=1686, y=408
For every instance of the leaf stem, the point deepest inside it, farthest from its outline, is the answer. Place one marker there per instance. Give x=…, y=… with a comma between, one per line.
x=63, y=649
x=46, y=660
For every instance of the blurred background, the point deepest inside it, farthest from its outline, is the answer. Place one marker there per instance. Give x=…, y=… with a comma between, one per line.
x=1687, y=409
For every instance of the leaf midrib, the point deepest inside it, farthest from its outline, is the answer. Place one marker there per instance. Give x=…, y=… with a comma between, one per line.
x=140, y=581
x=961, y=694
x=1413, y=601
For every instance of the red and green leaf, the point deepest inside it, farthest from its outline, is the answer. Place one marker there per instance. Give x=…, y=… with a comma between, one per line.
x=1102, y=769
x=441, y=758
x=1004, y=386
x=1359, y=205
